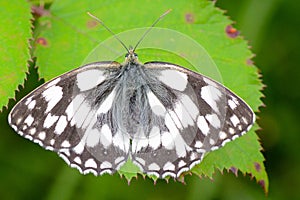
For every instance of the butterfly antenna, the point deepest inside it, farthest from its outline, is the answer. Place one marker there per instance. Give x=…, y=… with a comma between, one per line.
x=149, y=29
x=113, y=34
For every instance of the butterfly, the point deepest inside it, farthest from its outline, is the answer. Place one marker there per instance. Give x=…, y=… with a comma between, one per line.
x=161, y=116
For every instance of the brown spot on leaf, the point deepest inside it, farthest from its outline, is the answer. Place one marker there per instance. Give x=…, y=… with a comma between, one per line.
x=262, y=184
x=249, y=62
x=257, y=167
x=189, y=18
x=232, y=32
x=91, y=23
x=42, y=41
x=234, y=170
x=39, y=11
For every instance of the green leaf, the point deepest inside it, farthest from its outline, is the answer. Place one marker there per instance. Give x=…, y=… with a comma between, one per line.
x=14, y=46
x=71, y=38
x=238, y=155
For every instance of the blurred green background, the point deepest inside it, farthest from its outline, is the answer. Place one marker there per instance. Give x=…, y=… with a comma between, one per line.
x=273, y=30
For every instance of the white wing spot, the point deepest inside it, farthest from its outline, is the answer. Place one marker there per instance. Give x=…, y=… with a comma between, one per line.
x=180, y=144
x=90, y=163
x=121, y=141
x=240, y=127
x=225, y=141
x=73, y=106
x=66, y=144
x=77, y=160
x=235, y=100
x=198, y=144
x=169, y=166
x=19, y=120
x=29, y=120
x=93, y=137
x=231, y=104
x=209, y=82
x=91, y=118
x=105, y=165
x=66, y=152
x=89, y=79
x=42, y=135
x=193, y=156
x=49, y=148
x=16, y=129
x=174, y=79
x=32, y=131
x=213, y=120
x=50, y=120
x=24, y=127
x=52, y=141
x=92, y=171
x=190, y=107
x=156, y=106
x=119, y=159
x=154, y=137
x=222, y=135
x=79, y=148
x=28, y=100
x=210, y=95
x=107, y=103
x=235, y=137
x=139, y=142
x=231, y=131
x=186, y=111
x=181, y=164
x=174, y=115
x=81, y=114
x=52, y=95
x=212, y=141
x=65, y=158
x=61, y=125
x=203, y=126
x=29, y=137
x=54, y=82
x=214, y=148
x=244, y=120
x=31, y=105
x=153, y=167
x=167, y=140
x=140, y=160
x=106, y=136
x=235, y=120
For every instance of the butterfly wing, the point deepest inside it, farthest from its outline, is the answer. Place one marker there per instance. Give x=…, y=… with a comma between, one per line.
x=164, y=122
x=64, y=115
x=199, y=115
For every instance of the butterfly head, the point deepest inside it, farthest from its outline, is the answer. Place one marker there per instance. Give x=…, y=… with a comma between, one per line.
x=131, y=56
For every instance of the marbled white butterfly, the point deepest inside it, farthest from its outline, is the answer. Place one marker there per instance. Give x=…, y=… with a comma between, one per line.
x=161, y=116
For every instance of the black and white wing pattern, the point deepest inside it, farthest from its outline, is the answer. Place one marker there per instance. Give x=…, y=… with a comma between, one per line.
x=64, y=115
x=192, y=115
x=161, y=116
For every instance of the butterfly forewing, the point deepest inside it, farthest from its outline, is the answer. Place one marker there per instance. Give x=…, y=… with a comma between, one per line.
x=161, y=116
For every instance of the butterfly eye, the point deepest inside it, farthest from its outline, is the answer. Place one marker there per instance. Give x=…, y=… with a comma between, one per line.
x=126, y=55
x=135, y=55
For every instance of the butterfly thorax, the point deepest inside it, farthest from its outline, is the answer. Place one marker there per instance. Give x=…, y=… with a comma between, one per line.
x=131, y=104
